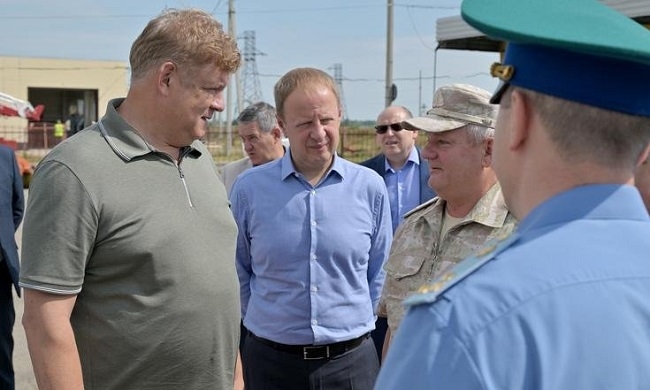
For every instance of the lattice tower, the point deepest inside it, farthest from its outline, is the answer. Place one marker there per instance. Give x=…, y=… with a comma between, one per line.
x=338, y=77
x=251, y=78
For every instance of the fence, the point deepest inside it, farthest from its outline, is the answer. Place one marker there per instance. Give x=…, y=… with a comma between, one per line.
x=356, y=143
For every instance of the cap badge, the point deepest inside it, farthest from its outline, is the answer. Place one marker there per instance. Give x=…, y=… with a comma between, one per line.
x=504, y=72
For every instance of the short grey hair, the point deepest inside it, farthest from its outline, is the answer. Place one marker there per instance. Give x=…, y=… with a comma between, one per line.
x=477, y=134
x=263, y=113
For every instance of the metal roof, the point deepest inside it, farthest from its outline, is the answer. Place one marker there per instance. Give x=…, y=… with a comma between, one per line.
x=453, y=33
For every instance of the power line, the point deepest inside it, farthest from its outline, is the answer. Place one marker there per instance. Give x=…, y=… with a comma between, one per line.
x=451, y=7
x=72, y=17
x=417, y=32
x=214, y=10
x=66, y=68
x=240, y=11
x=356, y=80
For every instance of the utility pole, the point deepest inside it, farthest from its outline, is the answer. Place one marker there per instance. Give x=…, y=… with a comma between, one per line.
x=389, y=54
x=435, y=72
x=420, y=94
x=231, y=32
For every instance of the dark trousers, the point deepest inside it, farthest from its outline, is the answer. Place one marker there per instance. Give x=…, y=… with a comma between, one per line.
x=7, y=318
x=266, y=368
x=379, y=334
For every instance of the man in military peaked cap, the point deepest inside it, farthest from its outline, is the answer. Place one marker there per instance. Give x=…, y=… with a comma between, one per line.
x=562, y=303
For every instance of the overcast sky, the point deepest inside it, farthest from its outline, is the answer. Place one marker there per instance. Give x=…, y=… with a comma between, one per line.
x=291, y=33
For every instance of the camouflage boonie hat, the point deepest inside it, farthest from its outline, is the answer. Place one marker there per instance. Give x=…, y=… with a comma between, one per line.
x=455, y=106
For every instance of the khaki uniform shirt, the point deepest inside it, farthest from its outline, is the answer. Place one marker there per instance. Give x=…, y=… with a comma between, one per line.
x=418, y=254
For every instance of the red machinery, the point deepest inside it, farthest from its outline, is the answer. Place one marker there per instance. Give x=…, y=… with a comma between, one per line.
x=11, y=106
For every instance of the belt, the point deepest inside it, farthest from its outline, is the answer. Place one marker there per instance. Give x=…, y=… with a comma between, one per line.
x=314, y=352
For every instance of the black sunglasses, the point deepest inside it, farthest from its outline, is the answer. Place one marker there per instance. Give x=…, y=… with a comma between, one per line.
x=381, y=129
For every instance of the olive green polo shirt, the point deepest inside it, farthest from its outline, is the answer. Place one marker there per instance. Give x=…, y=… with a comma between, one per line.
x=148, y=246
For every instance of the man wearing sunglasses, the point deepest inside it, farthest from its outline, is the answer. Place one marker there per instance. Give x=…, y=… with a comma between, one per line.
x=405, y=173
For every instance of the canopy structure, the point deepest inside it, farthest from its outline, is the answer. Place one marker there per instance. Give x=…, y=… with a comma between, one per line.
x=453, y=33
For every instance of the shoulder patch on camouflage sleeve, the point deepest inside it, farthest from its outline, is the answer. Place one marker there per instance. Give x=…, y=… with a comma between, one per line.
x=430, y=292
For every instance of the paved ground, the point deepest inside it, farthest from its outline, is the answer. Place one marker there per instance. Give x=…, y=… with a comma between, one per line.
x=22, y=364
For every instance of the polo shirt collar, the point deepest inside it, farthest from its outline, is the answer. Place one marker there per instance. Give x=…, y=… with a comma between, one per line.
x=124, y=140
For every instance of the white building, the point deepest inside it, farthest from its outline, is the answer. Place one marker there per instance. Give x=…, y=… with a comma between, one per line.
x=67, y=88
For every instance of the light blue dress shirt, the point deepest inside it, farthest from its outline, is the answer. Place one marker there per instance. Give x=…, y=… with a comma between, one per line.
x=403, y=187
x=310, y=259
x=562, y=304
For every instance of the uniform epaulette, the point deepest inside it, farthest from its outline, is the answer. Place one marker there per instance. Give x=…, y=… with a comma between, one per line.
x=430, y=292
x=420, y=207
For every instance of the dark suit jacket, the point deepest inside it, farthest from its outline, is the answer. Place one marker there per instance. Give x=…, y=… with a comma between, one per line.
x=11, y=210
x=378, y=164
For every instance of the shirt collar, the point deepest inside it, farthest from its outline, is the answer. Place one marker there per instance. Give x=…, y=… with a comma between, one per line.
x=413, y=157
x=289, y=169
x=124, y=140
x=595, y=201
x=490, y=210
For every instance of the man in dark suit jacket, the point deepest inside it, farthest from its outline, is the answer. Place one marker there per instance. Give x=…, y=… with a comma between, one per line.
x=11, y=214
x=400, y=163
x=406, y=175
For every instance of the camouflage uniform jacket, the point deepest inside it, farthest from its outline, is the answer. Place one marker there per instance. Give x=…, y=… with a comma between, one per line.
x=418, y=255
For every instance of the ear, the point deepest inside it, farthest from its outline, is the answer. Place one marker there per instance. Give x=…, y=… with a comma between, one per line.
x=281, y=123
x=165, y=74
x=520, y=118
x=643, y=158
x=276, y=132
x=487, y=152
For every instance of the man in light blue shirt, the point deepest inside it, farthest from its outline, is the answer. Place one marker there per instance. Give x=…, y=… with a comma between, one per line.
x=405, y=172
x=563, y=302
x=403, y=187
x=314, y=233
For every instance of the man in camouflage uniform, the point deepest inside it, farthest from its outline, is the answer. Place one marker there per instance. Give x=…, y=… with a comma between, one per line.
x=469, y=210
